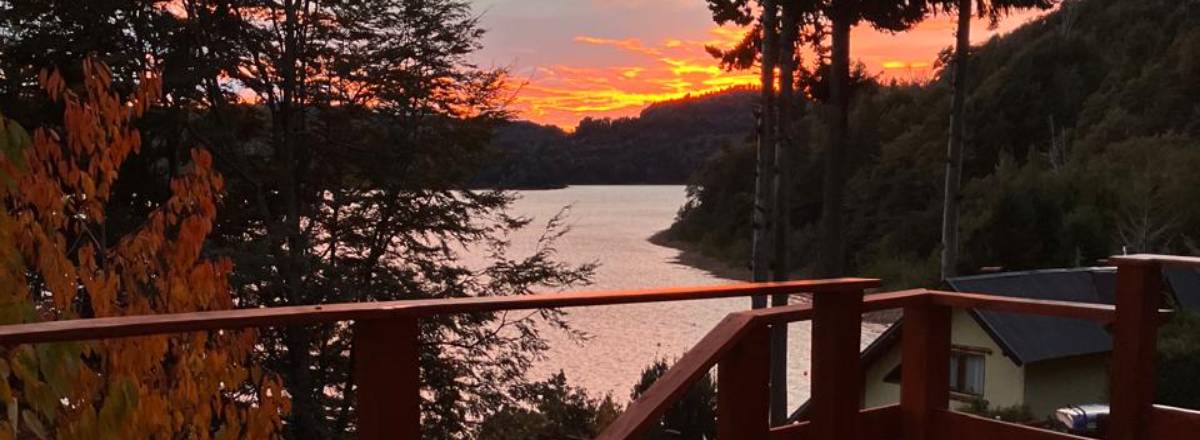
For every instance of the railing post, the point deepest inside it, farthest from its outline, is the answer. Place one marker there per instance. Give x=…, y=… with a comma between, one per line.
x=1135, y=334
x=836, y=371
x=743, y=388
x=386, y=373
x=925, y=369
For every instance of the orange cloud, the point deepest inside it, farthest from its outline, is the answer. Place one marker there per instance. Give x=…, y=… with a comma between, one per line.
x=562, y=95
x=631, y=44
x=896, y=64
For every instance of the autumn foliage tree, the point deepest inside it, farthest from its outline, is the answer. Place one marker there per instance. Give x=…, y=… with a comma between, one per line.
x=58, y=262
x=347, y=132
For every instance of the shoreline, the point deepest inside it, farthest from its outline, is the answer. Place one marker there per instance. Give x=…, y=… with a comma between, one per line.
x=690, y=256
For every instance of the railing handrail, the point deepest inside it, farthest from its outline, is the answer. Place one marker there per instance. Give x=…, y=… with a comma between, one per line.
x=1157, y=260
x=144, y=325
x=1102, y=313
x=716, y=344
x=709, y=351
x=740, y=345
x=672, y=385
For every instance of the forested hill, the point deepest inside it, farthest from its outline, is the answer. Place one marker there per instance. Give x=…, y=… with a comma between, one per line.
x=665, y=144
x=1083, y=140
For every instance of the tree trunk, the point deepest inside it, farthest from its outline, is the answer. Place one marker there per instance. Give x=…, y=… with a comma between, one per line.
x=784, y=152
x=832, y=255
x=785, y=149
x=307, y=420
x=761, y=247
x=954, y=154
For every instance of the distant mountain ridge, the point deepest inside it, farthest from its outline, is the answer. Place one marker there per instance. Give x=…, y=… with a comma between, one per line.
x=664, y=144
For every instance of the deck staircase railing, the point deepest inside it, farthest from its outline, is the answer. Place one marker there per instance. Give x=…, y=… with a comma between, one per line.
x=387, y=374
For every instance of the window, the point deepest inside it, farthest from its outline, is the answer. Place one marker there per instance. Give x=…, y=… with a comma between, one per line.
x=966, y=373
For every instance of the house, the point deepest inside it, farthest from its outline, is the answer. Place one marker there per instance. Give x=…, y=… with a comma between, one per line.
x=1011, y=360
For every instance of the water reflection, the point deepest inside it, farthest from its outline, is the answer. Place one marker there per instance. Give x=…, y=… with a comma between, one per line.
x=611, y=225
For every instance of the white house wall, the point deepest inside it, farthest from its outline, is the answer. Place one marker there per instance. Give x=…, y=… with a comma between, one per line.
x=1054, y=384
x=1004, y=380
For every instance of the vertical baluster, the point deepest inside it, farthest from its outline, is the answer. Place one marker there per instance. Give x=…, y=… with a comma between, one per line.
x=387, y=374
x=1135, y=332
x=743, y=388
x=925, y=369
x=836, y=371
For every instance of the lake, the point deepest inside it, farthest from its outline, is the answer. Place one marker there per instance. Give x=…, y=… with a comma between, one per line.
x=611, y=225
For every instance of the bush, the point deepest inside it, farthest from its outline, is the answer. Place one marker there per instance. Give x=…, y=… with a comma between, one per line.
x=1011, y=414
x=550, y=410
x=693, y=418
x=1179, y=361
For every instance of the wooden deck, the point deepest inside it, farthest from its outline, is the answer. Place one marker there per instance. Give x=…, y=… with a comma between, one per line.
x=387, y=370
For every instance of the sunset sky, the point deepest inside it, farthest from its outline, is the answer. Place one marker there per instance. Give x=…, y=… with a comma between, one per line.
x=613, y=57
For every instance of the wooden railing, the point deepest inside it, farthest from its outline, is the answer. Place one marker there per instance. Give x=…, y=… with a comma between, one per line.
x=385, y=334
x=388, y=379
x=738, y=348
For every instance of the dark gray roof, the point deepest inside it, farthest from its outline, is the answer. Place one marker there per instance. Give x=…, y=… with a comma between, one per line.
x=1186, y=285
x=1029, y=338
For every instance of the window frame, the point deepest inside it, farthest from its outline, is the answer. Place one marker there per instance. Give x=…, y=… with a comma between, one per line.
x=959, y=352
x=960, y=357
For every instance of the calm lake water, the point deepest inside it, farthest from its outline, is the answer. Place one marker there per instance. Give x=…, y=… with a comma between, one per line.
x=611, y=225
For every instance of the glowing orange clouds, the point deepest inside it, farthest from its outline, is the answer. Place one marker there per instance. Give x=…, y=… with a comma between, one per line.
x=911, y=65
x=631, y=44
x=669, y=69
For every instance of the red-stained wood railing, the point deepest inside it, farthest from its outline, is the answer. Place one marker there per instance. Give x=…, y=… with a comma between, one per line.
x=1139, y=296
x=925, y=359
x=385, y=344
x=1167, y=423
x=741, y=362
x=951, y=425
x=874, y=424
x=687, y=370
x=745, y=375
x=1102, y=313
x=387, y=376
x=837, y=377
x=388, y=380
x=126, y=326
x=923, y=413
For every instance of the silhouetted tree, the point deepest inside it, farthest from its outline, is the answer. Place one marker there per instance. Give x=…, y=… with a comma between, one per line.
x=764, y=171
x=550, y=410
x=1179, y=359
x=693, y=418
x=954, y=155
x=347, y=132
x=782, y=207
x=958, y=71
x=844, y=15
x=832, y=19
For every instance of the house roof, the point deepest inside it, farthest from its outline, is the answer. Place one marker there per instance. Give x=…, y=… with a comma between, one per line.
x=1185, y=283
x=1030, y=338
